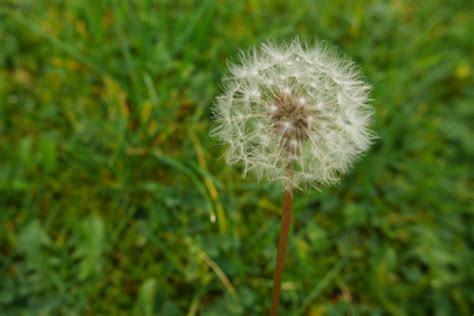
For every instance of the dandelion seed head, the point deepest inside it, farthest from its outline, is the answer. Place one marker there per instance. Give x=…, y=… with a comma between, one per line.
x=301, y=101
x=286, y=91
x=294, y=114
x=273, y=108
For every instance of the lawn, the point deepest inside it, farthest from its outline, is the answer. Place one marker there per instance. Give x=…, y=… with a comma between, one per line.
x=114, y=199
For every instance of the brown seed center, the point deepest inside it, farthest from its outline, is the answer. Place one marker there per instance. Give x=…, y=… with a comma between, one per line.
x=290, y=117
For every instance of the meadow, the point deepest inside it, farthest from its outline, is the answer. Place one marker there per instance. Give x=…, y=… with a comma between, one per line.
x=114, y=199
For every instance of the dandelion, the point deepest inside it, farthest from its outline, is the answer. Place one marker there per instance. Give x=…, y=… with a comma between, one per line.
x=295, y=115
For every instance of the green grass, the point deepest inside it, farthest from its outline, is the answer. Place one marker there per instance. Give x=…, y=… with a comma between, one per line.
x=115, y=201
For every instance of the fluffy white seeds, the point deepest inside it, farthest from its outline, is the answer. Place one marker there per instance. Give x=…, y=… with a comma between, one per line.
x=294, y=114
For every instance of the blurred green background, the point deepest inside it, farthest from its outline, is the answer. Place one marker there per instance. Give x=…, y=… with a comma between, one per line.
x=115, y=201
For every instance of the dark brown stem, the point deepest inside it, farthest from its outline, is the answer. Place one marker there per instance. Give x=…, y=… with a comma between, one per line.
x=282, y=242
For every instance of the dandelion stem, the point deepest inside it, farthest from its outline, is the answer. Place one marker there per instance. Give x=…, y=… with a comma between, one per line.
x=282, y=242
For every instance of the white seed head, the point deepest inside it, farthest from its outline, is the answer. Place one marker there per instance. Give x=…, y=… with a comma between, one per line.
x=287, y=126
x=273, y=108
x=286, y=90
x=294, y=114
